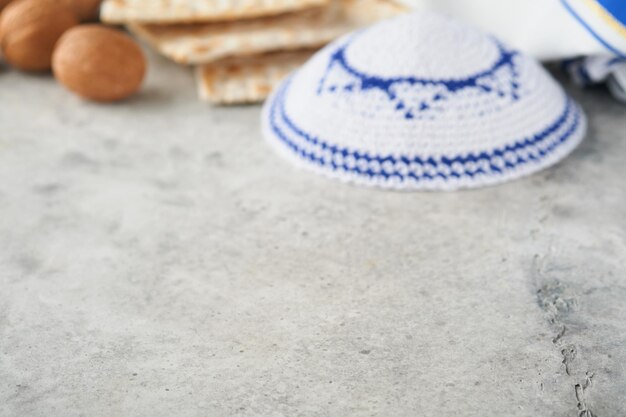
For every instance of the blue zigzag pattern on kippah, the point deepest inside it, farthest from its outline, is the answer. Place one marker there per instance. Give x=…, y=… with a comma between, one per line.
x=446, y=87
x=492, y=162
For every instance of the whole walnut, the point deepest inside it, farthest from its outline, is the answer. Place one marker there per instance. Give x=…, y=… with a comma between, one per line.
x=29, y=29
x=99, y=63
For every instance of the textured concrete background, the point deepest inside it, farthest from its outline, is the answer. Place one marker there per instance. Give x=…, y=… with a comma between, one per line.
x=157, y=259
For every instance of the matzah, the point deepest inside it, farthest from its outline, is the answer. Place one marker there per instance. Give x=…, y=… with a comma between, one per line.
x=193, y=44
x=246, y=80
x=185, y=11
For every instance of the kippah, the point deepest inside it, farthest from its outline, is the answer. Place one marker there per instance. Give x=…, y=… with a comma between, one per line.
x=422, y=102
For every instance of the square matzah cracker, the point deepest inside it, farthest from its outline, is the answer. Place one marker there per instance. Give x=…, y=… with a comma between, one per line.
x=313, y=28
x=182, y=11
x=246, y=80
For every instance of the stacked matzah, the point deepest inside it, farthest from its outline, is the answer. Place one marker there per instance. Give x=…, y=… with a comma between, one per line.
x=243, y=48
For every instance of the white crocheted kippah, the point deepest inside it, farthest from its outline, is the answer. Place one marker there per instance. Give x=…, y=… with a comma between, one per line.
x=422, y=102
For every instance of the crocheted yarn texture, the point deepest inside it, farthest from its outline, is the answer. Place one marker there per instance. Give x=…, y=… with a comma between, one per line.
x=422, y=102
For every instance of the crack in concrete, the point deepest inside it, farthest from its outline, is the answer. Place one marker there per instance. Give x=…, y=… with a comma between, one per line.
x=579, y=389
x=569, y=354
x=552, y=298
x=559, y=335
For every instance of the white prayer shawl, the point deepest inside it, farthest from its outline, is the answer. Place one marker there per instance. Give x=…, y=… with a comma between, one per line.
x=553, y=30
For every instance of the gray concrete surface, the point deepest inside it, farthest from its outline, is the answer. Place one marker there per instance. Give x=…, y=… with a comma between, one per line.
x=157, y=259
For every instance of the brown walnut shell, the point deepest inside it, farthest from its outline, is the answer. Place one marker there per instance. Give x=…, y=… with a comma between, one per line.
x=99, y=63
x=29, y=29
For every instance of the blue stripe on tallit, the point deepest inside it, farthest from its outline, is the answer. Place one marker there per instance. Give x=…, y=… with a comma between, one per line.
x=616, y=8
x=591, y=31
